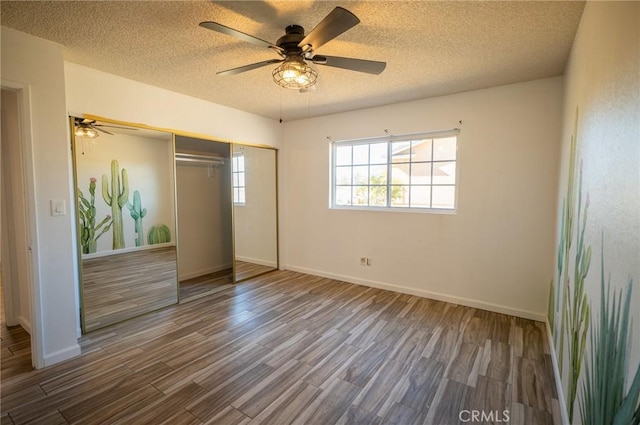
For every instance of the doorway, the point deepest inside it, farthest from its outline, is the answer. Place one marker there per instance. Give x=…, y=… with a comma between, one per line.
x=14, y=249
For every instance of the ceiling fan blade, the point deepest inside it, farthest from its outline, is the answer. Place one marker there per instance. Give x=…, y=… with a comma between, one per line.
x=99, y=129
x=214, y=26
x=360, y=65
x=246, y=68
x=334, y=24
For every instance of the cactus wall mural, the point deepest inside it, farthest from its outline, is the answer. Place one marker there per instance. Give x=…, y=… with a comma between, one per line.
x=129, y=178
x=594, y=384
x=159, y=233
x=116, y=199
x=89, y=231
x=137, y=213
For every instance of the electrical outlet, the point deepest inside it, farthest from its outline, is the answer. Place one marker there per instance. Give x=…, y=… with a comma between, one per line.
x=363, y=261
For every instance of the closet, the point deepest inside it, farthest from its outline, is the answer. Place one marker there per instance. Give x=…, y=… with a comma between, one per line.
x=203, y=193
x=165, y=218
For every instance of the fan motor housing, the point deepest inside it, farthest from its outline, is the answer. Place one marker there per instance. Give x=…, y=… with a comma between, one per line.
x=294, y=34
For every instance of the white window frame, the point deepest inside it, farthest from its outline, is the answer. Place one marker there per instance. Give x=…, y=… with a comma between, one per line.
x=389, y=139
x=236, y=177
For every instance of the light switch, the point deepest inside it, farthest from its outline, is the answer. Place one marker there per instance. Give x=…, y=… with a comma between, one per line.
x=58, y=207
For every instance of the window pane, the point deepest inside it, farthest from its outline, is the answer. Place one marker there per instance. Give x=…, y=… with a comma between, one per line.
x=235, y=195
x=235, y=179
x=378, y=196
x=343, y=195
x=343, y=175
x=420, y=196
x=343, y=155
x=241, y=195
x=444, y=149
x=360, y=195
x=379, y=153
x=378, y=174
x=418, y=173
x=400, y=174
x=421, y=150
x=361, y=174
x=444, y=173
x=399, y=196
x=361, y=154
x=401, y=151
x=421, y=173
x=443, y=197
x=241, y=163
x=241, y=179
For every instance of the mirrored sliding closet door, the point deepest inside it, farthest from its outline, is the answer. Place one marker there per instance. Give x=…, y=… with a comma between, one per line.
x=125, y=194
x=255, y=211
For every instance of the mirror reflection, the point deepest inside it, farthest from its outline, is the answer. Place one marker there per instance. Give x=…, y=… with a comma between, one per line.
x=254, y=211
x=125, y=194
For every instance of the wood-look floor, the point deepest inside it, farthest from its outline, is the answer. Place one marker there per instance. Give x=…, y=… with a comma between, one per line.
x=121, y=286
x=205, y=284
x=291, y=348
x=15, y=348
x=246, y=270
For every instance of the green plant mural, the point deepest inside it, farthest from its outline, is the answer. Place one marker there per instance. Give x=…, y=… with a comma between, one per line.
x=159, y=233
x=603, y=400
x=567, y=294
x=576, y=302
x=137, y=213
x=116, y=199
x=89, y=231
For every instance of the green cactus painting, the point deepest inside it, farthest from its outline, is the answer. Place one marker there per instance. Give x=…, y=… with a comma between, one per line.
x=116, y=199
x=570, y=295
x=606, y=398
x=137, y=213
x=159, y=233
x=89, y=231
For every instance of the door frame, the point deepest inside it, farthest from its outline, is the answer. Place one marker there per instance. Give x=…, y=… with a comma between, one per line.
x=23, y=92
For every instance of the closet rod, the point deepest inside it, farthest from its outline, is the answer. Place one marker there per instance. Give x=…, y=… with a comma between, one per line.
x=199, y=158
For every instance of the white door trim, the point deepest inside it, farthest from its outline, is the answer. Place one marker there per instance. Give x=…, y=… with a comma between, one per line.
x=28, y=170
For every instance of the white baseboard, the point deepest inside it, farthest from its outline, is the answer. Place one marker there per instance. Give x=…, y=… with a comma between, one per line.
x=540, y=317
x=61, y=355
x=202, y=272
x=556, y=374
x=25, y=323
x=259, y=261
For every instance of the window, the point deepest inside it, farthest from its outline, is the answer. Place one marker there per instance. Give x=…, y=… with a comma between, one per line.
x=400, y=172
x=238, y=179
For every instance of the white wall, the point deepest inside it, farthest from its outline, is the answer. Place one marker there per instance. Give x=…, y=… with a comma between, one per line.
x=494, y=253
x=38, y=64
x=204, y=219
x=603, y=85
x=97, y=93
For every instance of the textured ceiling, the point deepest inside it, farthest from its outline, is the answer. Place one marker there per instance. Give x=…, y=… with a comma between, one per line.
x=431, y=48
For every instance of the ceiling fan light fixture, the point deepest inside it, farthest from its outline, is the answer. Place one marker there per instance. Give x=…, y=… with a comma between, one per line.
x=83, y=130
x=294, y=73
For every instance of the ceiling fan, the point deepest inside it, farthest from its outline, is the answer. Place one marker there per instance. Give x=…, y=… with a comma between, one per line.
x=295, y=49
x=90, y=128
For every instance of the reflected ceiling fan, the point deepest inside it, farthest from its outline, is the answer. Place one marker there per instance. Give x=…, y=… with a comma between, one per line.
x=295, y=49
x=90, y=128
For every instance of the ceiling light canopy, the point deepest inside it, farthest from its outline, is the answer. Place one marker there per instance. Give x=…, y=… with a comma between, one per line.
x=85, y=130
x=294, y=73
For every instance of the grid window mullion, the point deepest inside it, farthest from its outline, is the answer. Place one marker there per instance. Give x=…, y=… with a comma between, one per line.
x=414, y=168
